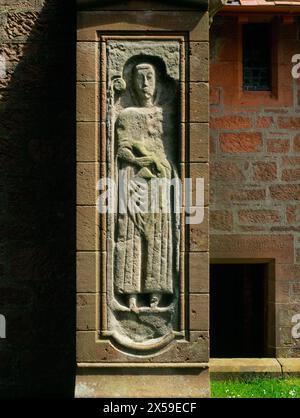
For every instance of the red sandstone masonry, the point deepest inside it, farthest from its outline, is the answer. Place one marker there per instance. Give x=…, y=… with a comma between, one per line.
x=293, y=214
x=289, y=123
x=37, y=154
x=259, y=216
x=226, y=170
x=285, y=192
x=278, y=145
x=241, y=142
x=296, y=143
x=235, y=195
x=234, y=246
x=263, y=196
x=251, y=228
x=231, y=122
x=297, y=255
x=264, y=171
x=221, y=220
x=264, y=122
x=291, y=174
x=248, y=195
x=290, y=161
x=214, y=96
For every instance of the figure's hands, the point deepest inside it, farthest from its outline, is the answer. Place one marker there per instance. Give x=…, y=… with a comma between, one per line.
x=140, y=148
x=144, y=161
x=148, y=161
x=163, y=168
x=160, y=170
x=126, y=154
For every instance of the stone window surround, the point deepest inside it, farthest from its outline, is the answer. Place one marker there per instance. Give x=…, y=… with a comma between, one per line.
x=278, y=96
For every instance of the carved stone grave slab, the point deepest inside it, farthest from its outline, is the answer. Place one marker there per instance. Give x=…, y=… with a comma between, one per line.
x=142, y=271
x=143, y=137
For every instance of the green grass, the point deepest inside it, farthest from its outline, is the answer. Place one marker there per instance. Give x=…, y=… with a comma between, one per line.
x=256, y=388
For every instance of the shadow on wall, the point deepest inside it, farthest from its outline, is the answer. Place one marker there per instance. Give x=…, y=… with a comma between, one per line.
x=37, y=201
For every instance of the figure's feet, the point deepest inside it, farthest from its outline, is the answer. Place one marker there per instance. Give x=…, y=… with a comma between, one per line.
x=133, y=303
x=155, y=300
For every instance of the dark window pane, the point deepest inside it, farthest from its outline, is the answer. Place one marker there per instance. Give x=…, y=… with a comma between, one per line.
x=256, y=57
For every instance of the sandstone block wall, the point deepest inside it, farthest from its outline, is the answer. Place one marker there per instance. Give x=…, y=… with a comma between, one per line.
x=255, y=160
x=37, y=194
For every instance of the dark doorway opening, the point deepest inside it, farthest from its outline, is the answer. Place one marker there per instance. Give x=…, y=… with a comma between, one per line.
x=238, y=310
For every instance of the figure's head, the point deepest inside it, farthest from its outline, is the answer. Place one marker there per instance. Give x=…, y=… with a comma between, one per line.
x=144, y=80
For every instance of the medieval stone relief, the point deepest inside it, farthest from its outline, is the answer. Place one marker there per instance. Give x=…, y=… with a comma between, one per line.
x=143, y=143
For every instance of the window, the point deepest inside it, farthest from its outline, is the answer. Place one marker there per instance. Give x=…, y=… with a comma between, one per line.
x=256, y=57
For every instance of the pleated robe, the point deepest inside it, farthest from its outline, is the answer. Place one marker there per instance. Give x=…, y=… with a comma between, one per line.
x=144, y=254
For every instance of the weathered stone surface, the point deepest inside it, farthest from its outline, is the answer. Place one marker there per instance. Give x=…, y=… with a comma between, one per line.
x=289, y=122
x=296, y=143
x=88, y=61
x=264, y=121
x=290, y=366
x=246, y=195
x=21, y=4
x=199, y=171
x=195, y=23
x=265, y=171
x=241, y=142
x=285, y=313
x=225, y=171
x=87, y=102
x=279, y=290
x=285, y=192
x=91, y=349
x=199, y=61
x=278, y=146
x=291, y=174
x=199, y=134
x=221, y=220
x=86, y=311
x=37, y=153
x=262, y=216
x=288, y=272
x=254, y=246
x=87, y=178
x=199, y=94
x=255, y=164
x=87, y=228
x=135, y=383
x=233, y=368
x=231, y=122
x=198, y=238
x=19, y=25
x=142, y=308
x=87, y=271
x=87, y=142
x=198, y=272
x=199, y=312
x=143, y=278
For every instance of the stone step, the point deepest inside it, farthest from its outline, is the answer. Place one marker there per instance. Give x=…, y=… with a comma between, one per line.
x=224, y=368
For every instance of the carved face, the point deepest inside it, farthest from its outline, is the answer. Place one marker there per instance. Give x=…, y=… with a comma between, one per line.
x=144, y=81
